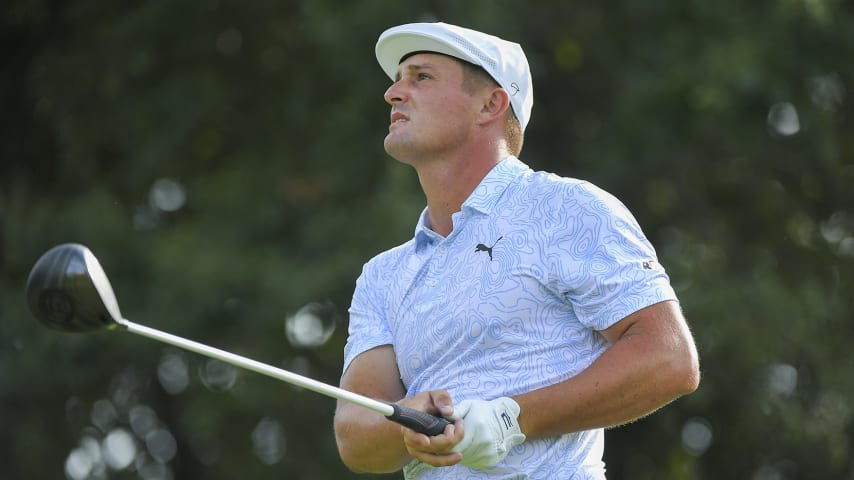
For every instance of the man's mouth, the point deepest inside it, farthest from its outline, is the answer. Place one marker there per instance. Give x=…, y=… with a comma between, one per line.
x=398, y=117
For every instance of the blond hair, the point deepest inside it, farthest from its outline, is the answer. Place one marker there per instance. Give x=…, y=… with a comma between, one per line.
x=475, y=78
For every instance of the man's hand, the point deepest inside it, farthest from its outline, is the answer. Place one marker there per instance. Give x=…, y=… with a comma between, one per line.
x=491, y=431
x=437, y=450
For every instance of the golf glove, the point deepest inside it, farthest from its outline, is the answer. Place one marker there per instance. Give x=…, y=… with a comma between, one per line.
x=491, y=431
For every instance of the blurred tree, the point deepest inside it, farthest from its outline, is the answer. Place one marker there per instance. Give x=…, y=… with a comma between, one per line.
x=224, y=161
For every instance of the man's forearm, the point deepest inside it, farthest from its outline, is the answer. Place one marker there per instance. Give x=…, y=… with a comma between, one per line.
x=385, y=452
x=594, y=399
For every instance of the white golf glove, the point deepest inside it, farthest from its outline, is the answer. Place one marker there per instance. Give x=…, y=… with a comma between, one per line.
x=491, y=431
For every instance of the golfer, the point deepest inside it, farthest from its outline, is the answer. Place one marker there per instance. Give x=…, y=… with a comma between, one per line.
x=529, y=308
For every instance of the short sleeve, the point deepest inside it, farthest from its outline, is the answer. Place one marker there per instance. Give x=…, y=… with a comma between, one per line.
x=606, y=268
x=368, y=324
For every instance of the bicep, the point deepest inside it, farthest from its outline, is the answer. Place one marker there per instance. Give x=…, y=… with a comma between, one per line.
x=658, y=344
x=374, y=373
x=663, y=320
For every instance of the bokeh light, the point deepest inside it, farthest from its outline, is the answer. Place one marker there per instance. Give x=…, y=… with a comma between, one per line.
x=173, y=373
x=268, y=440
x=783, y=119
x=161, y=445
x=782, y=379
x=217, y=375
x=119, y=449
x=312, y=325
x=697, y=435
x=167, y=195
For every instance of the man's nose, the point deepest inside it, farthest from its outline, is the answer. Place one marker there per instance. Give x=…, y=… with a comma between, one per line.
x=394, y=94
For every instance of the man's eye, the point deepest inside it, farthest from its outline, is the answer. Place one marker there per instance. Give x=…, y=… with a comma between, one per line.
x=423, y=76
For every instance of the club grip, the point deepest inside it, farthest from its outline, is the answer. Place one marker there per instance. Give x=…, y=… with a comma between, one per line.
x=421, y=422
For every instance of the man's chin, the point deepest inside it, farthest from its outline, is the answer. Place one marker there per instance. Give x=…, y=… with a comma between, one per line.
x=395, y=147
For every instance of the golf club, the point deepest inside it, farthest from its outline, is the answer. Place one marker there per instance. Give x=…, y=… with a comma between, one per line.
x=68, y=290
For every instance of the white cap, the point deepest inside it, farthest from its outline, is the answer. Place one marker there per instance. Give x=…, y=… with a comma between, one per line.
x=504, y=61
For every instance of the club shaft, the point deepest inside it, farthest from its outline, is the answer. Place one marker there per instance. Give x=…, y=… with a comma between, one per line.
x=258, y=367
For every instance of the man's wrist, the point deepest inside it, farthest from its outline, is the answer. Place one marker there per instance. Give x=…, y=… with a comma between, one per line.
x=522, y=416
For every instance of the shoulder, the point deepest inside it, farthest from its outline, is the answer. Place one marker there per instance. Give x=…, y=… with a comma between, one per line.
x=388, y=261
x=567, y=192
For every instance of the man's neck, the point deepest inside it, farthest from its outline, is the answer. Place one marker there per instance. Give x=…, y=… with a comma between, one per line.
x=448, y=183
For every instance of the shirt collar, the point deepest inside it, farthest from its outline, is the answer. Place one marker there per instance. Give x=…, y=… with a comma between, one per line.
x=423, y=234
x=486, y=194
x=482, y=199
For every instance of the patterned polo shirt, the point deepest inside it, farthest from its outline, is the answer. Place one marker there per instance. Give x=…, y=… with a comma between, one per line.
x=511, y=301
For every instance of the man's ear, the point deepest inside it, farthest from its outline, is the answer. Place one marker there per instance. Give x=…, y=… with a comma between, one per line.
x=495, y=104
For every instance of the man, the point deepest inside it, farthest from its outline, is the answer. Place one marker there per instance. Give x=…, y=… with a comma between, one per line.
x=528, y=308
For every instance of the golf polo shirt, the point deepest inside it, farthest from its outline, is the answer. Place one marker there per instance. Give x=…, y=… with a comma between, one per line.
x=511, y=301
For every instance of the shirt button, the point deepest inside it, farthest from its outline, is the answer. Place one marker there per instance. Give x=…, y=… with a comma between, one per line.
x=431, y=282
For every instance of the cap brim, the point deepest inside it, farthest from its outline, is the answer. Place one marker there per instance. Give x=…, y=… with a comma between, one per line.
x=392, y=48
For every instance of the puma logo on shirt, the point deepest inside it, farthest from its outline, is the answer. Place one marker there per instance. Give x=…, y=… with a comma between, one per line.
x=483, y=248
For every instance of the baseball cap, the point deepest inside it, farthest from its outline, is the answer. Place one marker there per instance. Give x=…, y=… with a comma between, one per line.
x=504, y=61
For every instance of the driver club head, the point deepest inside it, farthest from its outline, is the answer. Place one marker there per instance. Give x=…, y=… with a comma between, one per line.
x=68, y=290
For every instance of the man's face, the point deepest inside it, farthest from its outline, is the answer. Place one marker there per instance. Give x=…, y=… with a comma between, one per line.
x=431, y=114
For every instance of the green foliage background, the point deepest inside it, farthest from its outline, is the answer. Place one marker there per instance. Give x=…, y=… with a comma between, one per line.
x=725, y=126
